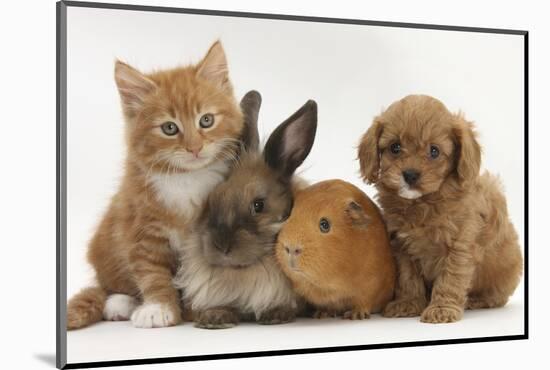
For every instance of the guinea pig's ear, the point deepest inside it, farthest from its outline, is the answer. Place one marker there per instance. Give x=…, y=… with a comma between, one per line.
x=369, y=152
x=290, y=143
x=356, y=215
x=467, y=149
x=250, y=106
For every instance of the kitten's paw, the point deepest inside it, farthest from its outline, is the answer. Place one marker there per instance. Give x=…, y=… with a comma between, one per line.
x=404, y=308
x=277, y=316
x=155, y=315
x=436, y=314
x=356, y=314
x=323, y=314
x=216, y=318
x=119, y=307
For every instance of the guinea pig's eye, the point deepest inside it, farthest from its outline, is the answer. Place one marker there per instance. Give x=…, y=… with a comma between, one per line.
x=207, y=120
x=434, y=151
x=324, y=225
x=169, y=128
x=258, y=206
x=395, y=148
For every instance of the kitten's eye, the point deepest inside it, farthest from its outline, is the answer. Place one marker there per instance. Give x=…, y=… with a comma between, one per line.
x=258, y=206
x=434, y=151
x=207, y=120
x=395, y=148
x=324, y=225
x=169, y=128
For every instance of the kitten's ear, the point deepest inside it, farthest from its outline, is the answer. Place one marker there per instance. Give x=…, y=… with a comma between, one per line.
x=213, y=67
x=133, y=87
x=250, y=106
x=290, y=143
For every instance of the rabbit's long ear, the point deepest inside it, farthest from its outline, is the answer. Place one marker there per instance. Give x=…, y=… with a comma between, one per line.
x=291, y=142
x=250, y=106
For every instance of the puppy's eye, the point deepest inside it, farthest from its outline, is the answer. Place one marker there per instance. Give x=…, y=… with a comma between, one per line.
x=395, y=148
x=258, y=206
x=324, y=225
x=434, y=151
x=207, y=120
x=169, y=128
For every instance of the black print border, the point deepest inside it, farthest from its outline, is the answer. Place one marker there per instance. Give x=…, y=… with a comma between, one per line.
x=61, y=170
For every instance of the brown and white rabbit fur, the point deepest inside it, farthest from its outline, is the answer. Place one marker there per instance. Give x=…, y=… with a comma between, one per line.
x=228, y=270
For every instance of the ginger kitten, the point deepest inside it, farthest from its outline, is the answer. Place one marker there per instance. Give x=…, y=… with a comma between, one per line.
x=182, y=129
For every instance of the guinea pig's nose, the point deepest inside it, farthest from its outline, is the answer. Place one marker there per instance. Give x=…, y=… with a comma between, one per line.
x=411, y=176
x=293, y=251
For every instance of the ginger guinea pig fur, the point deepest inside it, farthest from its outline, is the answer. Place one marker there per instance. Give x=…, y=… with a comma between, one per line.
x=335, y=249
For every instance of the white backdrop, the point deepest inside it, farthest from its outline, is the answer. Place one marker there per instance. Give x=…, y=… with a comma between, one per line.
x=351, y=71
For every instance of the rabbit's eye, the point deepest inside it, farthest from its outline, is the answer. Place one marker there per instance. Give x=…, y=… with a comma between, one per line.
x=324, y=225
x=258, y=206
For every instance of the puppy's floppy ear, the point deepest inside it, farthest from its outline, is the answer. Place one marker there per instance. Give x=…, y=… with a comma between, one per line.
x=356, y=214
x=468, y=150
x=369, y=153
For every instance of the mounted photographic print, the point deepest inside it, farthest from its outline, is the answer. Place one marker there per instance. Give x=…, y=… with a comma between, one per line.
x=237, y=184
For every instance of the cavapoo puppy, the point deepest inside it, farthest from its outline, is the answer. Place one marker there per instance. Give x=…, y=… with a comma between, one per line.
x=450, y=232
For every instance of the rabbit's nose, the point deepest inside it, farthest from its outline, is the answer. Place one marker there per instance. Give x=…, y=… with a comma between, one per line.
x=223, y=247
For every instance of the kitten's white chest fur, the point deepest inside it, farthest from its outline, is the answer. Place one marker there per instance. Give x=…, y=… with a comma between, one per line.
x=185, y=193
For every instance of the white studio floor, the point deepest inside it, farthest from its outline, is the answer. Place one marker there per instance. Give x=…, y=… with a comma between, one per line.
x=110, y=341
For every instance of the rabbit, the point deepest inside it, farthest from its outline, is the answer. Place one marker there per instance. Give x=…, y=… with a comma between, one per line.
x=335, y=249
x=228, y=270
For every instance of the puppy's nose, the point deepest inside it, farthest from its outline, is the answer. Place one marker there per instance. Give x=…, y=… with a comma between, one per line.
x=293, y=250
x=411, y=176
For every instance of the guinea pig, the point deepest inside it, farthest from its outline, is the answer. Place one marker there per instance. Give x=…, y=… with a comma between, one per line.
x=228, y=270
x=335, y=249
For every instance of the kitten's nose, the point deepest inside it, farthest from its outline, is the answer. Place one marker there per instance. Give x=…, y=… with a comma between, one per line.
x=195, y=150
x=411, y=176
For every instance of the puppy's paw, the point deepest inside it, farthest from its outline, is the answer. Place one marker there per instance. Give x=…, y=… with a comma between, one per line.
x=155, y=315
x=357, y=314
x=437, y=314
x=485, y=302
x=119, y=307
x=281, y=315
x=216, y=318
x=404, y=308
x=324, y=314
